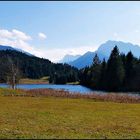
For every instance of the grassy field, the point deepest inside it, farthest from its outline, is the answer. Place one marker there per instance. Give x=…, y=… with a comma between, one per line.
x=73, y=83
x=53, y=117
x=43, y=80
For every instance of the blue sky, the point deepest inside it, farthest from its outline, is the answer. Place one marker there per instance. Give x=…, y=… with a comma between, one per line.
x=53, y=29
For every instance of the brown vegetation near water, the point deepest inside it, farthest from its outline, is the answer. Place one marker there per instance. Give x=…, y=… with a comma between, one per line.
x=113, y=97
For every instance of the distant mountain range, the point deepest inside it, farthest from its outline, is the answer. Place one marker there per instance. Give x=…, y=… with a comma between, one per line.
x=124, y=47
x=3, y=47
x=86, y=59
x=69, y=58
x=104, y=51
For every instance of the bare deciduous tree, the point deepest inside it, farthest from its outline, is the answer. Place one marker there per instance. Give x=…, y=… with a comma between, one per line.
x=13, y=73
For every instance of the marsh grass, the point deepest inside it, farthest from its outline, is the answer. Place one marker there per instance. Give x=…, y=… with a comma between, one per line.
x=114, y=97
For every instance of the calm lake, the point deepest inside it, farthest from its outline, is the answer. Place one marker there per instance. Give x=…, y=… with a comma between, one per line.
x=71, y=88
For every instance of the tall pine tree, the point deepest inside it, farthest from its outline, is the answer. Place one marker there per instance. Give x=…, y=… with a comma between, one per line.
x=115, y=71
x=129, y=70
x=102, y=81
x=95, y=72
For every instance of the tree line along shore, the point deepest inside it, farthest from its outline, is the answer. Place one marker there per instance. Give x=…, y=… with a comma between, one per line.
x=118, y=73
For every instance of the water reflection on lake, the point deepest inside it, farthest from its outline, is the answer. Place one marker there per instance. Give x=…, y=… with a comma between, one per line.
x=71, y=88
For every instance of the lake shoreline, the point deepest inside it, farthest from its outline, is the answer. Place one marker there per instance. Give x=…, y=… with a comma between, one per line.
x=113, y=97
x=67, y=87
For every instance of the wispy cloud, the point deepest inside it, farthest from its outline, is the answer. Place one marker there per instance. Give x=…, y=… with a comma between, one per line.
x=57, y=54
x=42, y=36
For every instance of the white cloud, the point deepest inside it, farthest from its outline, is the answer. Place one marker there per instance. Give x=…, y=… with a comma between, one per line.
x=42, y=36
x=20, y=35
x=5, y=34
x=14, y=34
x=18, y=39
x=56, y=54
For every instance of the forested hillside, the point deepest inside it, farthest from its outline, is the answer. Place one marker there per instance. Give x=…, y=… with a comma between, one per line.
x=34, y=67
x=120, y=73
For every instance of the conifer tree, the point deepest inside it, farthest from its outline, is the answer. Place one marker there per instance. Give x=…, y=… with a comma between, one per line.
x=115, y=71
x=103, y=81
x=95, y=72
x=129, y=70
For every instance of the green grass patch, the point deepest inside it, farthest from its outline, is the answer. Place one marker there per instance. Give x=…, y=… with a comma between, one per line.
x=73, y=83
x=43, y=80
x=39, y=117
x=8, y=91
